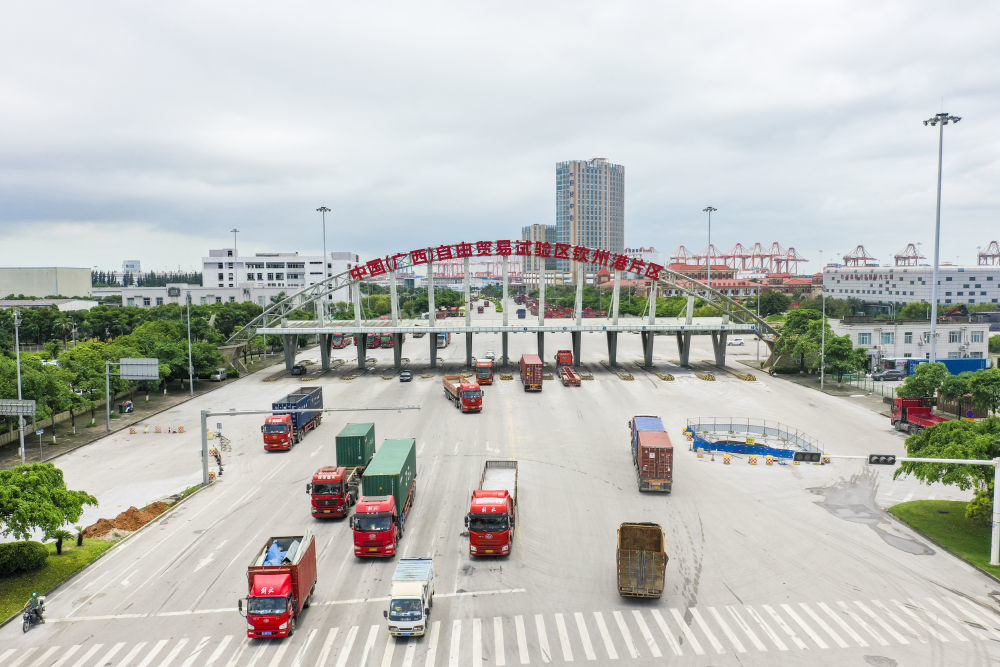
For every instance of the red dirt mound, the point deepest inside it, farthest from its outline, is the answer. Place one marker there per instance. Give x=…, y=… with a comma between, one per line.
x=130, y=519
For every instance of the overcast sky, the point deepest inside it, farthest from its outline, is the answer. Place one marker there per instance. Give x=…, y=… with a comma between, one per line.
x=148, y=131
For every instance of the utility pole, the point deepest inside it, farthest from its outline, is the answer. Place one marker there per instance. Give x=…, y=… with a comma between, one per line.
x=708, y=253
x=17, y=347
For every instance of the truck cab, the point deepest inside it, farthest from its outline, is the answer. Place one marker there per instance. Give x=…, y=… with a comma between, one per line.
x=376, y=527
x=490, y=522
x=277, y=430
x=411, y=597
x=564, y=358
x=331, y=491
x=484, y=371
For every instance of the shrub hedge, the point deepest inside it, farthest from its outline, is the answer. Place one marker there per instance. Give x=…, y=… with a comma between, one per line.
x=18, y=557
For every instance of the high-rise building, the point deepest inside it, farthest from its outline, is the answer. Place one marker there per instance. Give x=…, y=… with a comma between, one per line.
x=590, y=204
x=538, y=234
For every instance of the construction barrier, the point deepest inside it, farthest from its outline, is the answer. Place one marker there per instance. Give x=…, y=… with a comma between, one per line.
x=131, y=430
x=753, y=459
x=700, y=452
x=180, y=429
x=727, y=458
x=826, y=460
x=145, y=429
x=769, y=460
x=211, y=435
x=211, y=476
x=159, y=429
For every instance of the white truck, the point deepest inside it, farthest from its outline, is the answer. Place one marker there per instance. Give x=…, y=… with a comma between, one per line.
x=411, y=598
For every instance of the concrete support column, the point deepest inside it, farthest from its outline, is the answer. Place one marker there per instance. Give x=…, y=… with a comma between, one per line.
x=434, y=345
x=362, y=352
x=503, y=353
x=647, y=348
x=541, y=301
x=652, y=302
x=356, y=297
x=615, y=295
x=467, y=290
x=397, y=350
x=432, y=315
x=290, y=344
x=719, y=346
x=468, y=348
x=325, y=341
x=576, y=337
x=690, y=310
x=503, y=301
x=684, y=348
x=578, y=306
x=612, y=348
x=541, y=346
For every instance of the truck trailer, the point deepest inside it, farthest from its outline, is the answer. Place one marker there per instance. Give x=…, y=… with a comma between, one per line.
x=913, y=415
x=411, y=597
x=280, y=580
x=467, y=396
x=493, y=510
x=388, y=487
x=641, y=560
x=284, y=429
x=652, y=454
x=531, y=372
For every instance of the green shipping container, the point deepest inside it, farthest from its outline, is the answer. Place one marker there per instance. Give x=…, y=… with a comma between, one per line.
x=356, y=445
x=392, y=471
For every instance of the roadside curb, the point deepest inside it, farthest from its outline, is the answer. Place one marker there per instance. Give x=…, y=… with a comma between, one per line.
x=110, y=549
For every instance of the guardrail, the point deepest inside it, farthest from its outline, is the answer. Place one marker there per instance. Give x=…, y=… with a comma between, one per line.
x=749, y=436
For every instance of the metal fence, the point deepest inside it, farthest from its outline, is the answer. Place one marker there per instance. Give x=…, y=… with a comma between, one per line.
x=750, y=436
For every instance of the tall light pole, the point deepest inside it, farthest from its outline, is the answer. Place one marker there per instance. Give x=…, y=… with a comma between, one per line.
x=236, y=271
x=323, y=210
x=17, y=347
x=710, y=210
x=190, y=364
x=941, y=120
x=822, y=345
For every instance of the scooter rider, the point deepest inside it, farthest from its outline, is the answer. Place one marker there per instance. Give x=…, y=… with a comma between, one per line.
x=35, y=607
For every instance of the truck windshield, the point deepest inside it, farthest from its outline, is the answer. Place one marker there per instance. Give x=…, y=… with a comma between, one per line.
x=488, y=523
x=326, y=489
x=483, y=372
x=275, y=429
x=267, y=606
x=371, y=523
x=472, y=393
x=404, y=609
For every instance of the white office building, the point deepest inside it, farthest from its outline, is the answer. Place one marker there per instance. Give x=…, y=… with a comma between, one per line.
x=903, y=284
x=904, y=339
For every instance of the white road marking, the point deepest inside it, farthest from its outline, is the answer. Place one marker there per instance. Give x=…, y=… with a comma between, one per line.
x=238, y=656
x=23, y=657
x=567, y=650
x=687, y=632
x=152, y=654
x=210, y=557
x=369, y=645
x=522, y=644
x=708, y=633
x=477, y=642
x=279, y=655
x=456, y=630
x=746, y=628
x=86, y=656
x=927, y=626
x=626, y=635
x=581, y=627
x=970, y=609
x=885, y=626
x=667, y=634
x=498, y=641
x=730, y=635
x=802, y=624
x=219, y=650
x=197, y=650
x=860, y=622
x=327, y=646
x=173, y=654
x=388, y=651
x=352, y=635
x=543, y=639
x=651, y=644
x=131, y=654
x=767, y=630
x=411, y=650
x=842, y=623
x=305, y=647
x=6, y=654
x=65, y=656
x=605, y=635
x=939, y=621
x=784, y=626
x=432, y=644
x=823, y=624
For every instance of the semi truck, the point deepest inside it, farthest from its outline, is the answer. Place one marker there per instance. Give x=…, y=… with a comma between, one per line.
x=388, y=486
x=280, y=580
x=443, y=339
x=334, y=489
x=641, y=559
x=569, y=377
x=913, y=415
x=493, y=510
x=339, y=341
x=652, y=454
x=521, y=313
x=467, y=396
x=411, y=597
x=484, y=371
x=284, y=429
x=531, y=372
x=564, y=358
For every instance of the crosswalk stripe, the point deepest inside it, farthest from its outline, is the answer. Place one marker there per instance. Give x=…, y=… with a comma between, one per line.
x=65, y=656
x=651, y=644
x=784, y=626
x=937, y=620
x=975, y=630
x=898, y=621
x=131, y=654
x=581, y=627
x=498, y=641
x=305, y=647
x=88, y=655
x=456, y=629
x=696, y=615
x=969, y=608
x=805, y=628
x=23, y=657
x=522, y=643
x=626, y=635
x=194, y=654
x=157, y=647
x=927, y=626
x=327, y=646
x=408, y=655
x=6, y=654
x=687, y=632
x=543, y=638
x=236, y=658
x=181, y=643
x=730, y=635
x=219, y=650
x=858, y=639
x=605, y=635
x=258, y=653
x=667, y=634
x=563, y=639
x=279, y=655
x=432, y=644
x=823, y=624
x=766, y=628
x=477, y=642
x=745, y=627
x=878, y=619
x=349, y=640
x=390, y=648
x=860, y=622
x=369, y=644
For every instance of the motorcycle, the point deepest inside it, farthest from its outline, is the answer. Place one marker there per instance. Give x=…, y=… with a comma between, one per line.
x=33, y=617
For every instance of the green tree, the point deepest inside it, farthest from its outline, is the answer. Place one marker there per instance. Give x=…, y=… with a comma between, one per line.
x=771, y=303
x=915, y=310
x=797, y=341
x=925, y=381
x=994, y=344
x=35, y=497
x=985, y=388
x=957, y=388
x=841, y=355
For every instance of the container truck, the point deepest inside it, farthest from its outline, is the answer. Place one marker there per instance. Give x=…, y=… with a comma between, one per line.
x=564, y=358
x=913, y=415
x=642, y=562
x=569, y=377
x=388, y=486
x=334, y=489
x=467, y=396
x=280, y=580
x=521, y=313
x=652, y=454
x=339, y=341
x=284, y=429
x=443, y=339
x=385, y=340
x=479, y=310
x=411, y=597
x=493, y=510
x=484, y=371
x=531, y=372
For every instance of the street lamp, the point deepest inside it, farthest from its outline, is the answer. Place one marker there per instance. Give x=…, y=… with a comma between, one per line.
x=710, y=210
x=190, y=364
x=941, y=120
x=236, y=271
x=17, y=347
x=323, y=210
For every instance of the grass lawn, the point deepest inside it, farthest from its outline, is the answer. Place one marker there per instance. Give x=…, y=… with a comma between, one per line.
x=944, y=521
x=15, y=591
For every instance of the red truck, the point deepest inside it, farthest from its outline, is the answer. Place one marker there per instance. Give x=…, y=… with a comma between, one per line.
x=479, y=309
x=531, y=372
x=652, y=454
x=484, y=371
x=388, y=485
x=333, y=490
x=467, y=396
x=492, y=511
x=280, y=580
x=564, y=358
x=284, y=429
x=913, y=415
x=569, y=377
x=339, y=341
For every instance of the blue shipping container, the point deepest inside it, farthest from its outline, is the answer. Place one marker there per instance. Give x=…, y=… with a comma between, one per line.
x=954, y=366
x=644, y=423
x=311, y=399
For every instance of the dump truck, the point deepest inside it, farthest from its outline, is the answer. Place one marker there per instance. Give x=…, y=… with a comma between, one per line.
x=564, y=358
x=484, y=371
x=642, y=562
x=467, y=396
x=913, y=415
x=334, y=489
x=388, y=486
x=284, y=429
x=493, y=510
x=280, y=580
x=569, y=377
x=652, y=454
x=531, y=372
x=411, y=597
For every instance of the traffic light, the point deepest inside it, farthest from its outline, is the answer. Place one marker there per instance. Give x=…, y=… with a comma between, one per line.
x=881, y=459
x=807, y=457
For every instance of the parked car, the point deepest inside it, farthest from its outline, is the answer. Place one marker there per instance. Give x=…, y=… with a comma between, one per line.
x=491, y=355
x=298, y=369
x=890, y=374
x=218, y=375
x=735, y=341
x=405, y=376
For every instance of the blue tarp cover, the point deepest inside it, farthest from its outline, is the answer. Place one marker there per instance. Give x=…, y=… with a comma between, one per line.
x=648, y=424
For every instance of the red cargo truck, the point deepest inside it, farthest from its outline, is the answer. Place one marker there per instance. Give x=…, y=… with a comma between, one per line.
x=484, y=371
x=333, y=490
x=913, y=415
x=339, y=341
x=652, y=454
x=569, y=377
x=564, y=358
x=282, y=430
x=281, y=578
x=467, y=396
x=492, y=511
x=531, y=372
